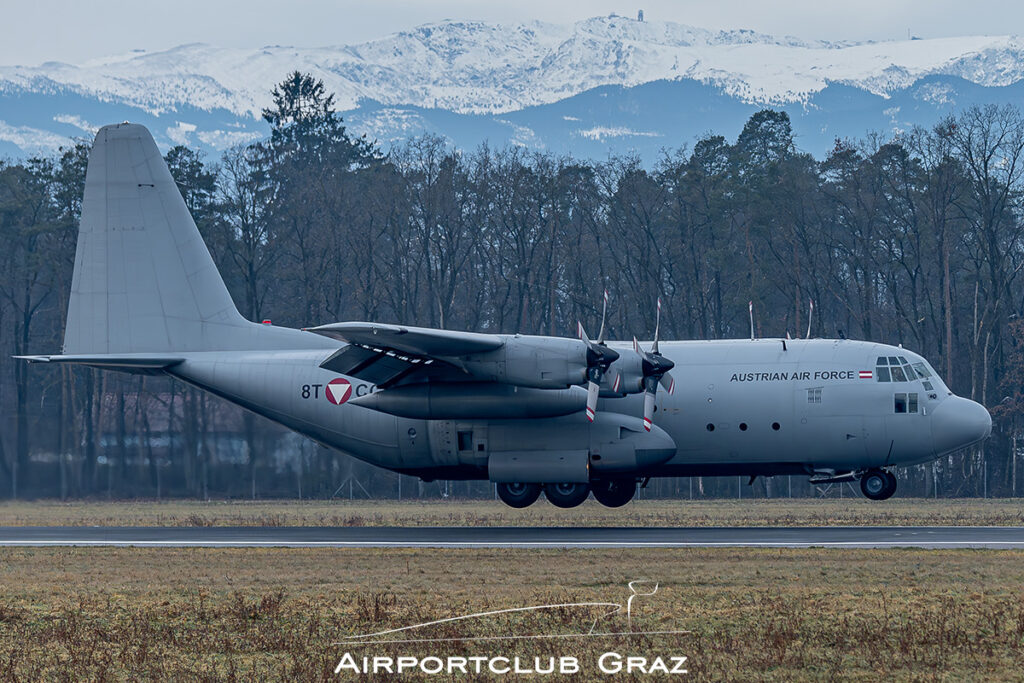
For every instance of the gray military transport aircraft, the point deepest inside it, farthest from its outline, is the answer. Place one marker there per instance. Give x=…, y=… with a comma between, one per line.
x=565, y=416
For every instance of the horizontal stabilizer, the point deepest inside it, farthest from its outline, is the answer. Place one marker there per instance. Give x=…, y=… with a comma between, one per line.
x=140, y=363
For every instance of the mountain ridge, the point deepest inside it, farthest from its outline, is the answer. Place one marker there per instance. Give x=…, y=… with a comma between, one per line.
x=212, y=96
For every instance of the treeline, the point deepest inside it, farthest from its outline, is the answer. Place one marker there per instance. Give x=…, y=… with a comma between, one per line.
x=913, y=240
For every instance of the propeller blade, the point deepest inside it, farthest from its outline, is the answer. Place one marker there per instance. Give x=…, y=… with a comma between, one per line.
x=668, y=383
x=604, y=311
x=648, y=410
x=657, y=327
x=581, y=333
x=593, y=391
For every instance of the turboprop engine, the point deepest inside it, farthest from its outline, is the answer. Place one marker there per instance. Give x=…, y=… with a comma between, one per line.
x=540, y=362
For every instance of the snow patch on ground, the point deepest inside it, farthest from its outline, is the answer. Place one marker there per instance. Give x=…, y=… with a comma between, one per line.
x=602, y=133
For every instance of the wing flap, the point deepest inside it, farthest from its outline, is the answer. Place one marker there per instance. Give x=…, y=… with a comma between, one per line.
x=385, y=367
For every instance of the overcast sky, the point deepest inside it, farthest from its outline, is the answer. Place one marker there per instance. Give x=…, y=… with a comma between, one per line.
x=35, y=31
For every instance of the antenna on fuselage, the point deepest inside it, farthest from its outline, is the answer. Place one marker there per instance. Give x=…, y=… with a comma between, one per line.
x=750, y=307
x=809, y=317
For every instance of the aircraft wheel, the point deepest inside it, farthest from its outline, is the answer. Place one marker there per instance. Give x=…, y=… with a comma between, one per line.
x=878, y=484
x=566, y=495
x=614, y=493
x=518, y=494
x=890, y=483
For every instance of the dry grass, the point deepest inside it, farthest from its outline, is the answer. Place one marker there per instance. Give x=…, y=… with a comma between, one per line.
x=257, y=614
x=786, y=512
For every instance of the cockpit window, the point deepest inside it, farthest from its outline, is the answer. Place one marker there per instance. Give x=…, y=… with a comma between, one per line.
x=883, y=373
x=897, y=374
x=893, y=360
x=922, y=371
x=903, y=361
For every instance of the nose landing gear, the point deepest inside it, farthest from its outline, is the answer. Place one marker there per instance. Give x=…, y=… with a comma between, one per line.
x=878, y=484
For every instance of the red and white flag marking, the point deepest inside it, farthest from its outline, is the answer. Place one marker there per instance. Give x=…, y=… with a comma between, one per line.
x=865, y=374
x=338, y=391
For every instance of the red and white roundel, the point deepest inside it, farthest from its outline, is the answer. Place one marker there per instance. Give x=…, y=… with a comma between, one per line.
x=338, y=391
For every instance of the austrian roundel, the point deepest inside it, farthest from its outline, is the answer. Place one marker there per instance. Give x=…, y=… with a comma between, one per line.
x=338, y=391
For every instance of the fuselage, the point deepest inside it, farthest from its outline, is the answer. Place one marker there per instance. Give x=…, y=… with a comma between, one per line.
x=766, y=406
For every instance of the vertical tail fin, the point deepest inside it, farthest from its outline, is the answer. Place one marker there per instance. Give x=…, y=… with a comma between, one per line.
x=144, y=281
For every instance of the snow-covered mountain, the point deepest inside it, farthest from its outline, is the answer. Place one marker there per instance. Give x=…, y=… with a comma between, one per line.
x=602, y=85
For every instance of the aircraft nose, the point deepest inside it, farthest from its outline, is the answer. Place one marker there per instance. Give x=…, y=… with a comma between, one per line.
x=959, y=422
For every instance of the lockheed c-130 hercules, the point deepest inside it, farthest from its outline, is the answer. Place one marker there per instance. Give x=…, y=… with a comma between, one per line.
x=565, y=416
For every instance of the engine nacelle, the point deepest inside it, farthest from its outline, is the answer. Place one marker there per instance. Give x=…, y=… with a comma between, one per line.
x=474, y=401
x=627, y=372
x=541, y=362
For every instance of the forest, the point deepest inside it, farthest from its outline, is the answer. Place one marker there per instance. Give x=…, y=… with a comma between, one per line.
x=912, y=239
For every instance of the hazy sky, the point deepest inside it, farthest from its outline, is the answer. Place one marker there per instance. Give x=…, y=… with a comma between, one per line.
x=34, y=31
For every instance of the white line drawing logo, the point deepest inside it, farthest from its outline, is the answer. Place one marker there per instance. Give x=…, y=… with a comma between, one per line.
x=373, y=638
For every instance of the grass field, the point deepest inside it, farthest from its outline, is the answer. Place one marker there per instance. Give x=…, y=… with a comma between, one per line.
x=266, y=614
x=755, y=512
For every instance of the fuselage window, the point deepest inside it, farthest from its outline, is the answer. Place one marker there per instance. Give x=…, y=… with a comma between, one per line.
x=814, y=395
x=465, y=441
x=900, y=403
x=912, y=403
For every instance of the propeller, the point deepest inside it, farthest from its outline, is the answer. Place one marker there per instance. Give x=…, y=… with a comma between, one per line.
x=655, y=371
x=599, y=359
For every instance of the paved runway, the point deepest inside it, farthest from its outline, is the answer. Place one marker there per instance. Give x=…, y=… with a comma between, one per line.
x=518, y=537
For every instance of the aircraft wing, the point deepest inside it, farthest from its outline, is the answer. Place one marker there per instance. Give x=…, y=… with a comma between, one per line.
x=422, y=341
x=387, y=355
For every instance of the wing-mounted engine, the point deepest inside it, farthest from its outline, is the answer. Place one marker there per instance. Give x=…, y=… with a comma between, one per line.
x=390, y=355
x=442, y=374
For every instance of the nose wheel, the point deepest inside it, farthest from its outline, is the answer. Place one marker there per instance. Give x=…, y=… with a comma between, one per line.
x=878, y=484
x=518, y=495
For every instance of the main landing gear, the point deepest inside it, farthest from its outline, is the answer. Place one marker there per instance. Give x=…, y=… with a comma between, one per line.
x=878, y=484
x=518, y=495
x=566, y=495
x=611, y=493
x=614, y=493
